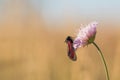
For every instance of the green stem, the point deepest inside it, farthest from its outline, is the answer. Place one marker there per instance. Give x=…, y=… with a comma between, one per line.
x=104, y=62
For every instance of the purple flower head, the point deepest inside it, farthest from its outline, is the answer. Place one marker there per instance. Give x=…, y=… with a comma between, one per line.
x=85, y=35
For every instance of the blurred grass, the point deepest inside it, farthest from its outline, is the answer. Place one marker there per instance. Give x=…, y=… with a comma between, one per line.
x=30, y=50
x=40, y=54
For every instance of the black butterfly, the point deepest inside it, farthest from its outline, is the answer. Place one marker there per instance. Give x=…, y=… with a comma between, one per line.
x=71, y=50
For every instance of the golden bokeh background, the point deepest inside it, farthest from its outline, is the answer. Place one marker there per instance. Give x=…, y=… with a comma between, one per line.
x=32, y=50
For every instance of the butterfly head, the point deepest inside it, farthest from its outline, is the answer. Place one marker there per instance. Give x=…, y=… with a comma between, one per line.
x=69, y=38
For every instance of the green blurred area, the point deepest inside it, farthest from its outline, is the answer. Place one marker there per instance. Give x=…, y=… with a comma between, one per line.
x=30, y=50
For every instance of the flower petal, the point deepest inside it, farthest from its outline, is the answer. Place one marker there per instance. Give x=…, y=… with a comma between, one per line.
x=84, y=35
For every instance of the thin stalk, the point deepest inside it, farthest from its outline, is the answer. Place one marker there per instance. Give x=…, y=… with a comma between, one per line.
x=103, y=60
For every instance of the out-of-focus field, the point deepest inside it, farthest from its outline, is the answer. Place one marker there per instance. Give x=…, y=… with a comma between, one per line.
x=31, y=51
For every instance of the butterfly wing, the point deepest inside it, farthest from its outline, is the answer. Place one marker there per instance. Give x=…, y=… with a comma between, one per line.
x=71, y=52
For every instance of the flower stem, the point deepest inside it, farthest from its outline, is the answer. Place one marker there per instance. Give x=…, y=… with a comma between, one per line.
x=103, y=60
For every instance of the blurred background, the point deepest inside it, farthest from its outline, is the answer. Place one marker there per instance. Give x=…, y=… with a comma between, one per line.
x=32, y=35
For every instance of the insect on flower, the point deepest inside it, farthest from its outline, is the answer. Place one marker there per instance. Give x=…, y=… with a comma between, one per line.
x=84, y=37
x=71, y=50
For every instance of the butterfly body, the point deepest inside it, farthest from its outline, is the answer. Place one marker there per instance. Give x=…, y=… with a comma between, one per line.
x=71, y=50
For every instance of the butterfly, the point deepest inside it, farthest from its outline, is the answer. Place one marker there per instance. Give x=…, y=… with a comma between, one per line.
x=71, y=50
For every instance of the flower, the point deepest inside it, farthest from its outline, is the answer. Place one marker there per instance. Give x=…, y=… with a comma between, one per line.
x=85, y=36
